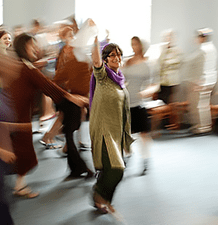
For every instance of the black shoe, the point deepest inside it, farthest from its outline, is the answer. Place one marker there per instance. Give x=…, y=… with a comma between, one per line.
x=75, y=175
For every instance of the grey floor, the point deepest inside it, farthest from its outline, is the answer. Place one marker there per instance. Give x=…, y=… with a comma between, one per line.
x=181, y=187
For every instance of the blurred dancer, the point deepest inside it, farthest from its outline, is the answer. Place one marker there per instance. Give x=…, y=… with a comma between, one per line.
x=5, y=43
x=195, y=69
x=74, y=76
x=21, y=80
x=140, y=85
x=109, y=123
x=207, y=80
x=170, y=62
x=7, y=157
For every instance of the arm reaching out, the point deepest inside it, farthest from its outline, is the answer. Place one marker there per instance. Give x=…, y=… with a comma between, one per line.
x=96, y=56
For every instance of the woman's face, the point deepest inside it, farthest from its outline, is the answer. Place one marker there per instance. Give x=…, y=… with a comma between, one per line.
x=136, y=46
x=6, y=40
x=32, y=50
x=114, y=60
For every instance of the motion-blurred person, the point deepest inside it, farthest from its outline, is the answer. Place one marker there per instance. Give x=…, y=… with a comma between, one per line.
x=21, y=80
x=7, y=157
x=170, y=62
x=207, y=80
x=109, y=123
x=74, y=76
x=43, y=104
x=195, y=70
x=140, y=85
x=5, y=41
x=66, y=54
x=5, y=216
x=62, y=78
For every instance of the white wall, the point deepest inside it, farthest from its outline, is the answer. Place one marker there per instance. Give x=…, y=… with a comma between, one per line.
x=185, y=16
x=23, y=11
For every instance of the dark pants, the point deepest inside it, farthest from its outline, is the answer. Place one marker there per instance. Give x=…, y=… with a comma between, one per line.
x=108, y=178
x=167, y=93
x=5, y=216
x=71, y=122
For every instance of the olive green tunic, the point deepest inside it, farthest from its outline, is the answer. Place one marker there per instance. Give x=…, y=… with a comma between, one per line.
x=109, y=119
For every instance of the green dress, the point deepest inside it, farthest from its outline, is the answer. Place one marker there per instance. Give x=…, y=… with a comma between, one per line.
x=109, y=119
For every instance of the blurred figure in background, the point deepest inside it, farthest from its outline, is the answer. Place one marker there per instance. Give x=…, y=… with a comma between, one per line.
x=207, y=80
x=203, y=77
x=74, y=76
x=5, y=41
x=195, y=69
x=170, y=62
x=140, y=85
x=66, y=53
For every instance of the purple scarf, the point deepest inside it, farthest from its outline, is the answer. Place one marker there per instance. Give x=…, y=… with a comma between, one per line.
x=117, y=78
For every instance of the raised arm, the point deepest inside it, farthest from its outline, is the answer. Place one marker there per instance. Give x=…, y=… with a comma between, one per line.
x=96, y=56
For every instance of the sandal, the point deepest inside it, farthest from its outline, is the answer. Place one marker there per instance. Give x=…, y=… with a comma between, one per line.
x=103, y=209
x=26, y=194
x=53, y=146
x=100, y=204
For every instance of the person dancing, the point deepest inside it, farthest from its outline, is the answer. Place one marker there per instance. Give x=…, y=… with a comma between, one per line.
x=21, y=80
x=109, y=123
x=140, y=85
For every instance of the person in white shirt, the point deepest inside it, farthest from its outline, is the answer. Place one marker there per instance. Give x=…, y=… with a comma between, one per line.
x=207, y=80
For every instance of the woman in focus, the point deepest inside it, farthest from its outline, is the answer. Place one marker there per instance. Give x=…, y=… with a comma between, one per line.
x=109, y=123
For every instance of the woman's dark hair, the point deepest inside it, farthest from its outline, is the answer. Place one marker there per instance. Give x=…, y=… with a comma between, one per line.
x=20, y=44
x=3, y=32
x=108, y=49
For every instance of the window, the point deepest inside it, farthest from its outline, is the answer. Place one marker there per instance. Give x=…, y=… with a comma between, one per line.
x=124, y=19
